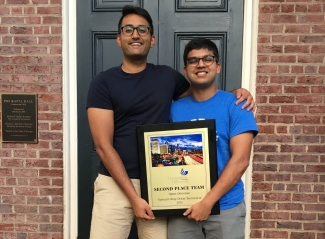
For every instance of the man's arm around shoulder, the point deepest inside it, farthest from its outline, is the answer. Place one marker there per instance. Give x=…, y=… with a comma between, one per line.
x=101, y=122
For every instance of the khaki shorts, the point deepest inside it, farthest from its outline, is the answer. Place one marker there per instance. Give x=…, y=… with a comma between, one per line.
x=113, y=215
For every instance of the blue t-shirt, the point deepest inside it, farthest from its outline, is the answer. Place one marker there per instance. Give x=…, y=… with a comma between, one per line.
x=230, y=120
x=136, y=99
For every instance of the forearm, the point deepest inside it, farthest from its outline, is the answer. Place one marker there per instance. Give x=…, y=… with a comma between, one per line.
x=228, y=179
x=115, y=167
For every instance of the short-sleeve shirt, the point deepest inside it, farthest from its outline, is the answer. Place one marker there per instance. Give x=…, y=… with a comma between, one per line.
x=230, y=120
x=136, y=99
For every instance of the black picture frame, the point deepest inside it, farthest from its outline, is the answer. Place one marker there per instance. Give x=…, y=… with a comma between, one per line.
x=169, y=183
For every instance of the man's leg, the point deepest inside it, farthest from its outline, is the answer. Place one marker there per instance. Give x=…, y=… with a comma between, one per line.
x=184, y=228
x=230, y=224
x=112, y=215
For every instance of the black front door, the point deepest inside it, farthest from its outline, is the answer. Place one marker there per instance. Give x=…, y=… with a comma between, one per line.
x=175, y=23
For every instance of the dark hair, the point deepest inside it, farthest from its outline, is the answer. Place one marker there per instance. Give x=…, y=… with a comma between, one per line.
x=200, y=43
x=129, y=9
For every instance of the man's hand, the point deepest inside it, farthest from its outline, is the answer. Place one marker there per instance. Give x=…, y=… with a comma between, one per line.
x=243, y=94
x=200, y=211
x=142, y=209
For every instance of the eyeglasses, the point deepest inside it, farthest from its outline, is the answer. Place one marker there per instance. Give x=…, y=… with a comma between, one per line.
x=207, y=60
x=142, y=30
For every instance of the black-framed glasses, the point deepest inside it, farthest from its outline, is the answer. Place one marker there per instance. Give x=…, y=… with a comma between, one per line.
x=207, y=60
x=128, y=30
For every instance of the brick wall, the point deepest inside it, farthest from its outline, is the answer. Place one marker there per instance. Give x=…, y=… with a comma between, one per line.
x=31, y=183
x=288, y=199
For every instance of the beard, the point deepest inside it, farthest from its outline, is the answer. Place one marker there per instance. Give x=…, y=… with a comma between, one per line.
x=204, y=85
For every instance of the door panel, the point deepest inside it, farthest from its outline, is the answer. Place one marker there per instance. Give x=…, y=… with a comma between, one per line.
x=220, y=21
x=175, y=23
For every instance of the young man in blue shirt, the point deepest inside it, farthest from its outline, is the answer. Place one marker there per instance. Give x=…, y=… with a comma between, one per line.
x=236, y=129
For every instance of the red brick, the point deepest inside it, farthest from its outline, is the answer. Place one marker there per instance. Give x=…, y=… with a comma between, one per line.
x=297, y=29
x=262, y=224
x=290, y=206
x=34, y=50
x=278, y=158
x=13, y=217
x=6, y=226
x=317, y=49
x=49, y=79
x=26, y=227
x=12, y=20
x=50, y=136
x=40, y=1
x=311, y=18
x=296, y=49
x=33, y=20
x=318, y=29
x=287, y=8
x=41, y=30
x=40, y=182
x=271, y=28
x=57, y=182
x=16, y=10
x=265, y=148
x=315, y=207
x=14, y=199
x=318, y=89
x=38, y=200
x=26, y=191
x=51, y=191
x=305, y=197
x=55, y=50
x=314, y=226
x=263, y=39
x=5, y=172
x=305, y=158
x=51, y=227
x=255, y=234
x=277, y=177
x=21, y=30
x=37, y=163
x=289, y=225
x=281, y=99
x=10, y=50
x=25, y=209
x=51, y=172
x=297, y=69
x=52, y=20
x=293, y=148
x=301, y=8
x=304, y=178
x=38, y=218
x=58, y=200
x=309, y=129
x=281, y=129
x=40, y=235
x=11, y=162
x=264, y=167
x=283, y=18
x=283, y=59
x=310, y=79
x=309, y=99
x=262, y=186
x=284, y=38
x=275, y=234
x=302, y=235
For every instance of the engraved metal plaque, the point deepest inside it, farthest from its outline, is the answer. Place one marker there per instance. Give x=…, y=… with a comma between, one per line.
x=19, y=118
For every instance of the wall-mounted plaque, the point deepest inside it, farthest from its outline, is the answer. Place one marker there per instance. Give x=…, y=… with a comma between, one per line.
x=19, y=118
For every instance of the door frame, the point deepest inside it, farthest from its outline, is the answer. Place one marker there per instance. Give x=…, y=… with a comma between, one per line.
x=69, y=85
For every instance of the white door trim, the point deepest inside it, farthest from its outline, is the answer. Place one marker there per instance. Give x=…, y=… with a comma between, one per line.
x=249, y=65
x=69, y=84
x=70, y=133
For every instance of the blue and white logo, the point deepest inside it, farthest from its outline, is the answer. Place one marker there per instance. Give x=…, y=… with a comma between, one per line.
x=183, y=172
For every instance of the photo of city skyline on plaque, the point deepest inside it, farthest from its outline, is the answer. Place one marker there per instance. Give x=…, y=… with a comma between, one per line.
x=177, y=150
